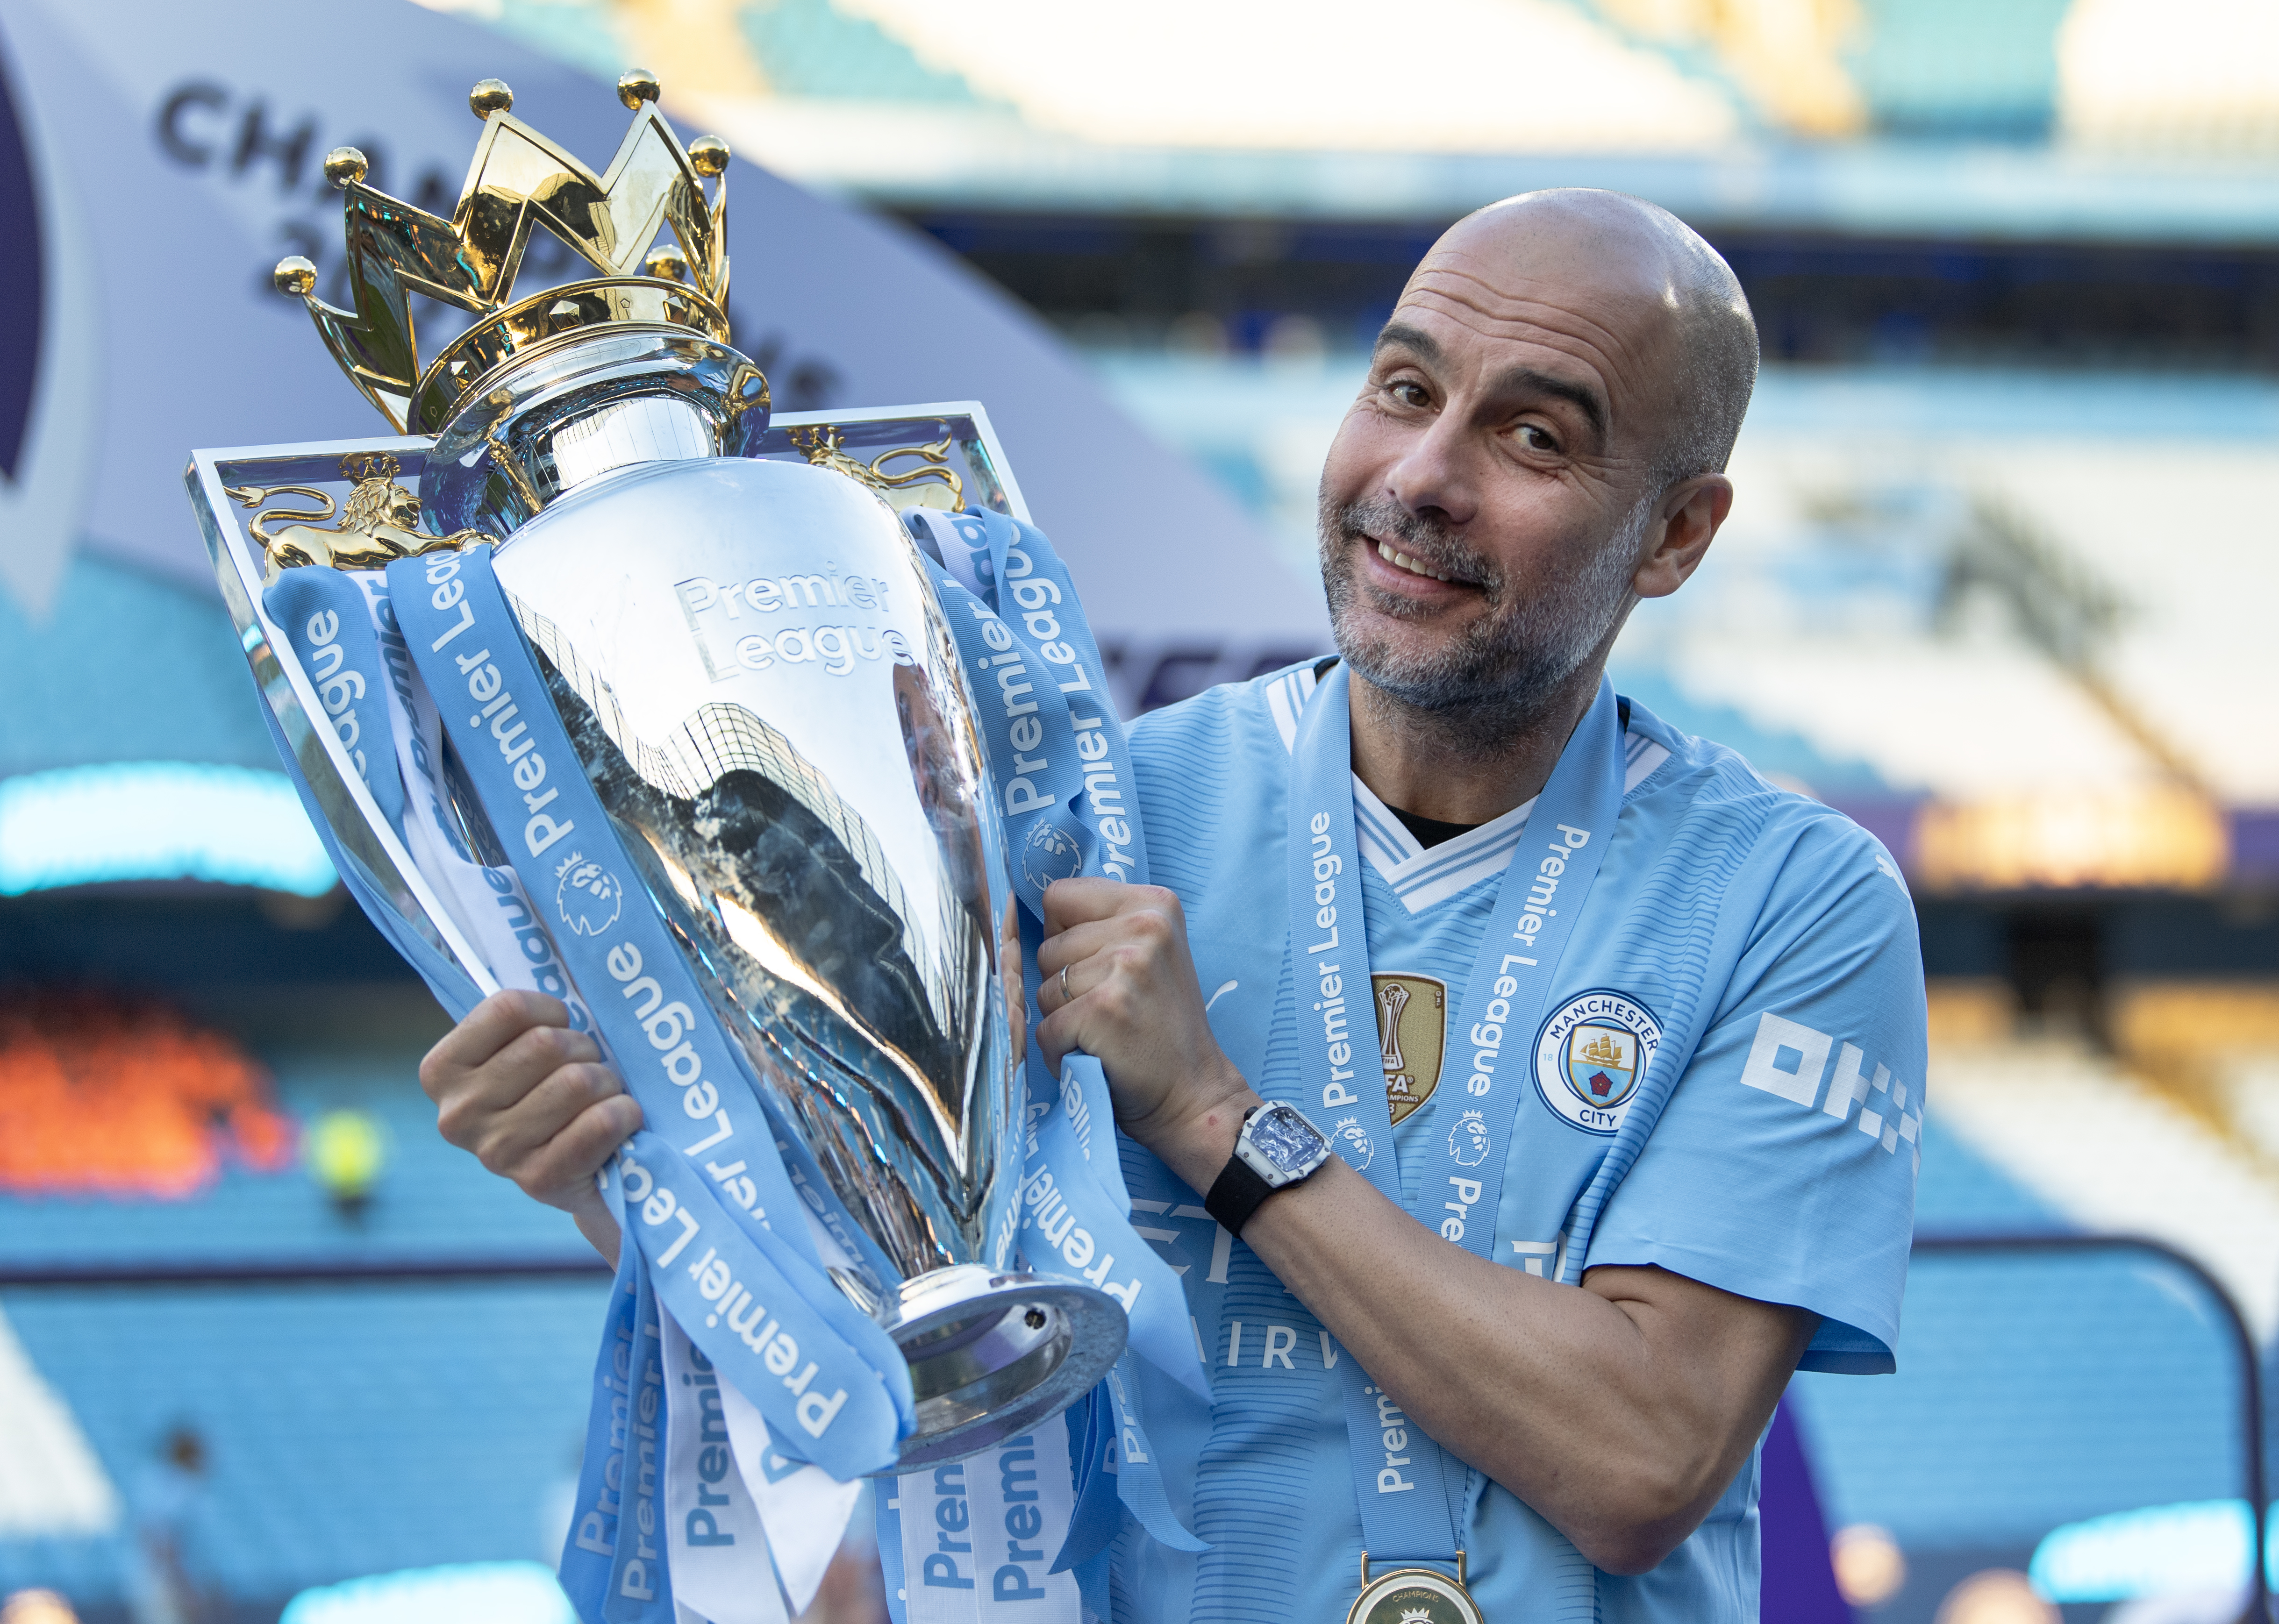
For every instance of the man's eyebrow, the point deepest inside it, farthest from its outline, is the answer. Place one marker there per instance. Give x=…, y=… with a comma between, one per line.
x=1518, y=380
x=1397, y=334
x=1584, y=399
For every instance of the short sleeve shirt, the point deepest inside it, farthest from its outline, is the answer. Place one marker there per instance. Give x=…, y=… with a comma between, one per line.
x=1782, y=1167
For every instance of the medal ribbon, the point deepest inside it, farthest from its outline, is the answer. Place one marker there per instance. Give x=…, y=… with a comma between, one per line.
x=1410, y=1491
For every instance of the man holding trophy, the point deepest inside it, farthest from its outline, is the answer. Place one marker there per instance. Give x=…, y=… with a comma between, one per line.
x=1484, y=1321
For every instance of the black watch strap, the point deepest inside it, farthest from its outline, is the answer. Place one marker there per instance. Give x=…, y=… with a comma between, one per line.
x=1236, y=1192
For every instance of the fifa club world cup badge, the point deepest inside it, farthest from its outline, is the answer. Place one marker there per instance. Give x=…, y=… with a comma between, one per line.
x=1591, y=1055
x=1412, y=1036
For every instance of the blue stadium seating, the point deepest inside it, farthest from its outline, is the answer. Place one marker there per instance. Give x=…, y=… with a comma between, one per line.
x=352, y=1429
x=65, y=710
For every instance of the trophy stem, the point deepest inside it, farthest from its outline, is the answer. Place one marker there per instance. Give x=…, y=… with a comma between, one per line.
x=993, y=1353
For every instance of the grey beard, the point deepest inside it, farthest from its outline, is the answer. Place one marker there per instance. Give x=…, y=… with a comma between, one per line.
x=1506, y=670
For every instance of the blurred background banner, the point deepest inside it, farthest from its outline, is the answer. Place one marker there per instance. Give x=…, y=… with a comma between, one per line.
x=1996, y=585
x=176, y=153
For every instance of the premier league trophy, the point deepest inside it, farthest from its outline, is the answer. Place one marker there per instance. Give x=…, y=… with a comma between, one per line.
x=740, y=642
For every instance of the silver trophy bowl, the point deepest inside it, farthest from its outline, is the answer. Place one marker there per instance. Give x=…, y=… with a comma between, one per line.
x=753, y=667
x=750, y=661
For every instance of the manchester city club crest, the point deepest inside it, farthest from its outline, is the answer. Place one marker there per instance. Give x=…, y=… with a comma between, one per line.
x=587, y=896
x=1412, y=1034
x=1591, y=1055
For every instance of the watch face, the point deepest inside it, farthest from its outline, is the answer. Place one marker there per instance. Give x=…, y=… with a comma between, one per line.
x=1285, y=1138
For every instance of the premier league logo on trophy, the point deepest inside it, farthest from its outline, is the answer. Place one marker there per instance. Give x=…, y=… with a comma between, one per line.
x=647, y=701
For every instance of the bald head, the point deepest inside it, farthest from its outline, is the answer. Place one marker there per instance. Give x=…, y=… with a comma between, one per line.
x=1679, y=301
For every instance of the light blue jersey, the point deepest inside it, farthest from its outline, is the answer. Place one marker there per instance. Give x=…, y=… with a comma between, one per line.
x=1768, y=934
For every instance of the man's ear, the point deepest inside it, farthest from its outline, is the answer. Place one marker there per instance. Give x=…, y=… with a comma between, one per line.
x=1685, y=522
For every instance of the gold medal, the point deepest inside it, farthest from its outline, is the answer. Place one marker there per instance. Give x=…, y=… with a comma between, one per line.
x=1414, y=1596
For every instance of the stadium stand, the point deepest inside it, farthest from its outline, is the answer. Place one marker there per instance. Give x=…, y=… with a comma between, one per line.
x=353, y=1428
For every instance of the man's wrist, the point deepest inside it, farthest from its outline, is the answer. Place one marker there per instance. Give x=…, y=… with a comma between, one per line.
x=1196, y=1134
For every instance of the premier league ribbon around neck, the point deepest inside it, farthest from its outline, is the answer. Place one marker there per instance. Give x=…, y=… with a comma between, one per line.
x=1410, y=1491
x=698, y=1197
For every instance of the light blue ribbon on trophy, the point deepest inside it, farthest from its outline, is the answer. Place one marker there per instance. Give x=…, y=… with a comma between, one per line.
x=588, y=1552
x=886, y=1515
x=716, y=1547
x=483, y=896
x=1060, y=765
x=360, y=597
x=327, y=621
x=640, y=1588
x=752, y=1295
x=290, y=602
x=1412, y=1492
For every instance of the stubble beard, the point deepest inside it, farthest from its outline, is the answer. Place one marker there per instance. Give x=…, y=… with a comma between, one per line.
x=1508, y=669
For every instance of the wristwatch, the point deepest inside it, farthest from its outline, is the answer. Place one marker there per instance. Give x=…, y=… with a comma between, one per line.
x=1277, y=1148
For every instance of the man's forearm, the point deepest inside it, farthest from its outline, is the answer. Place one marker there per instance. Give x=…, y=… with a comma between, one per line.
x=1619, y=1412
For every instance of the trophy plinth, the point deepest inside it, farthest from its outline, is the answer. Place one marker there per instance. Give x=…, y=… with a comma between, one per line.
x=992, y=1355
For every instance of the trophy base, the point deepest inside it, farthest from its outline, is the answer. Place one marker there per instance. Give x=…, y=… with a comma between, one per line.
x=993, y=1353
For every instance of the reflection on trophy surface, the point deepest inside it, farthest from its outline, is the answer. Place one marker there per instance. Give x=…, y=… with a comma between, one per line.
x=751, y=663
x=820, y=853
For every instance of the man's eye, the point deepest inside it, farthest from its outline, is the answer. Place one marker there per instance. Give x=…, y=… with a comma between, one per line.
x=1411, y=393
x=1534, y=437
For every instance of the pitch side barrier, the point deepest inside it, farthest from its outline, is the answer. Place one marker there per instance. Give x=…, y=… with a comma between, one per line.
x=413, y=1270
x=2017, y=1243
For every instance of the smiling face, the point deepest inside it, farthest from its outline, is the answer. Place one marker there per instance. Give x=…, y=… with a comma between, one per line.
x=1501, y=491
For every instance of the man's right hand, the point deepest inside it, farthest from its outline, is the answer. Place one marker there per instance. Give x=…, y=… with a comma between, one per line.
x=533, y=1102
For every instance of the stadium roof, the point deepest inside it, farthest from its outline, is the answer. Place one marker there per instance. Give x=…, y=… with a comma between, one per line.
x=2139, y=120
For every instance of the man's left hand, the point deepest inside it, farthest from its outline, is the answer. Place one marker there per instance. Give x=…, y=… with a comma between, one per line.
x=1131, y=1000
x=1620, y=1411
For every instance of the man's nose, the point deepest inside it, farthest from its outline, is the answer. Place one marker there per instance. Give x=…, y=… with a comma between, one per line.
x=1436, y=475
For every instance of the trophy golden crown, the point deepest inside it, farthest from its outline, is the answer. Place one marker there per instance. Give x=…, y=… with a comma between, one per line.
x=518, y=179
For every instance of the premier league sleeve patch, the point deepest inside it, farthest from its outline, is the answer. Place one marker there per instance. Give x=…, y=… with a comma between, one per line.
x=1590, y=1054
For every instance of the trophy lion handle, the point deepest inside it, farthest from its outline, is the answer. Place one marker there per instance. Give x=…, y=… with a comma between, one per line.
x=378, y=523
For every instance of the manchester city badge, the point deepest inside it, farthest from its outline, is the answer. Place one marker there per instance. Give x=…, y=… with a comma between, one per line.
x=1591, y=1054
x=1414, y=1596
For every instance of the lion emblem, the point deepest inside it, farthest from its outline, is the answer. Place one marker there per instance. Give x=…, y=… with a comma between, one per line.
x=1468, y=1140
x=933, y=483
x=379, y=522
x=587, y=896
x=1049, y=854
x=1360, y=1148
